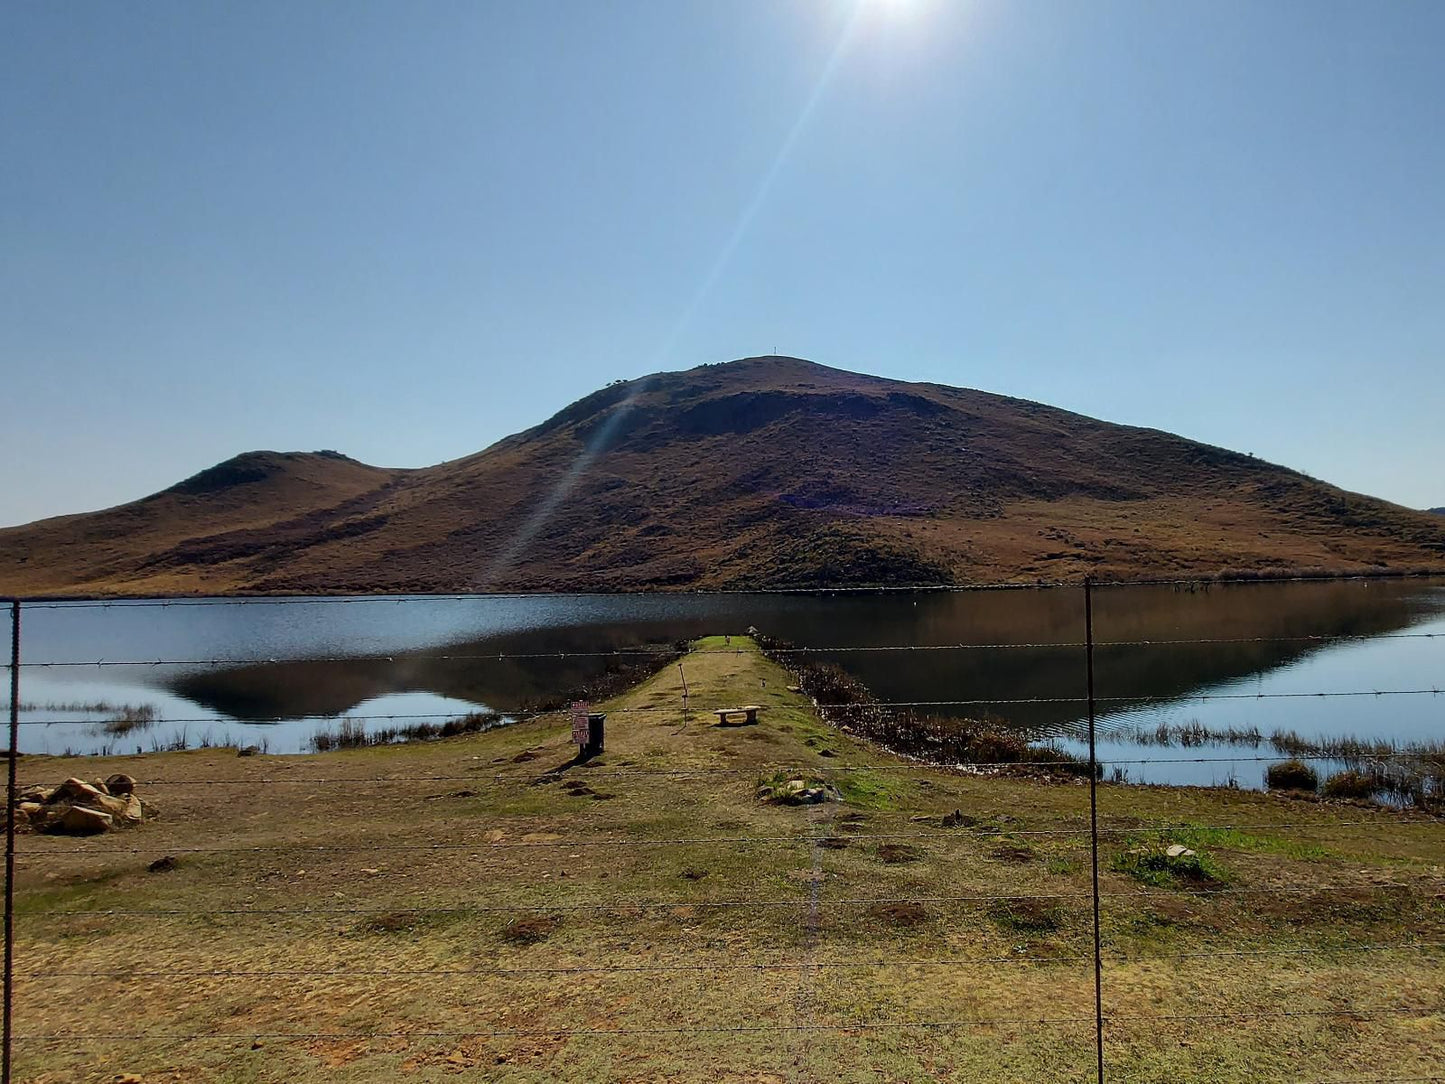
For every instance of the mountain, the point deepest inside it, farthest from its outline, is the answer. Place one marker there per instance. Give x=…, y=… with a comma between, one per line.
x=765, y=472
x=1436, y=511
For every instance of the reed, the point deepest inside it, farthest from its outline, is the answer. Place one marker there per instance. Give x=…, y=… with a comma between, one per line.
x=353, y=734
x=128, y=719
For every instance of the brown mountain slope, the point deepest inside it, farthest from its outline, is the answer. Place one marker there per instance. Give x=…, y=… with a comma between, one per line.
x=762, y=472
x=237, y=512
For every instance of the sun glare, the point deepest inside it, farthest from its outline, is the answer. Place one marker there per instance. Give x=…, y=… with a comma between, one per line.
x=893, y=8
x=883, y=14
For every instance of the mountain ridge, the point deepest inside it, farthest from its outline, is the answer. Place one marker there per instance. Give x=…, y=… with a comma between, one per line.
x=759, y=473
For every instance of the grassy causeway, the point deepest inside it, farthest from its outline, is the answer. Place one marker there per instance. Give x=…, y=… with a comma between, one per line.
x=480, y=907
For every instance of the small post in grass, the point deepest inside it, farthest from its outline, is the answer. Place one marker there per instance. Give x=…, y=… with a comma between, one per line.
x=596, y=722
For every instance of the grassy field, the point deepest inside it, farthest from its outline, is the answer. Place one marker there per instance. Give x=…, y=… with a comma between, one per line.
x=482, y=908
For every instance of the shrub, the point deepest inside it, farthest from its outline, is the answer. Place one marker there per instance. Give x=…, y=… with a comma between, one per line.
x=1351, y=783
x=829, y=684
x=1291, y=775
x=1153, y=865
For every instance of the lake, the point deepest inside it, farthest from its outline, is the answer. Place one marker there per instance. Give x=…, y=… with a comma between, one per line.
x=275, y=671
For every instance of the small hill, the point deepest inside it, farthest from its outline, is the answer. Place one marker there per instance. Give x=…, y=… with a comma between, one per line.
x=192, y=536
x=765, y=472
x=1436, y=511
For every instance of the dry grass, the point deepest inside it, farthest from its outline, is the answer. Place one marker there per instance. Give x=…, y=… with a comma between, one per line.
x=399, y=939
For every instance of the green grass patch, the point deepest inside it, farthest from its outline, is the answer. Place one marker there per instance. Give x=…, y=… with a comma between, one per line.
x=1234, y=840
x=1150, y=864
x=75, y=895
x=870, y=790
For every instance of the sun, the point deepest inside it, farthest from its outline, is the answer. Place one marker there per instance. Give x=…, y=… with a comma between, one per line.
x=891, y=10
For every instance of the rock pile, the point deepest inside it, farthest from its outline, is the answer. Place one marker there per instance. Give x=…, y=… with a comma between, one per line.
x=78, y=808
x=796, y=791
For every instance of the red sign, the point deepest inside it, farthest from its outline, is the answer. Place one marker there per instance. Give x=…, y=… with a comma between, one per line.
x=580, y=709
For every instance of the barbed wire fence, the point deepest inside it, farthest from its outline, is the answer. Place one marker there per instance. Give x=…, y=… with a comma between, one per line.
x=1088, y=833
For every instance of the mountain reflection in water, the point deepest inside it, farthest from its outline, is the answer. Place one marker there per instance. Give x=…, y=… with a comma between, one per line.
x=304, y=661
x=1239, y=623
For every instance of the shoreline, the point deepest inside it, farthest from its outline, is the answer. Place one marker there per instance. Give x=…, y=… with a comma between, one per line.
x=324, y=594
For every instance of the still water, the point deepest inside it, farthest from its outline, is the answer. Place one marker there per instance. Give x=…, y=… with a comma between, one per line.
x=274, y=672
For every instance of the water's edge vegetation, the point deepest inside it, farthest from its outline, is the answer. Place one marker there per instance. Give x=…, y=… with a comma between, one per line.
x=847, y=703
x=1410, y=773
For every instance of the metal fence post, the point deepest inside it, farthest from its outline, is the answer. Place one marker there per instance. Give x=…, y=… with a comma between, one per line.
x=1094, y=827
x=5, y=1040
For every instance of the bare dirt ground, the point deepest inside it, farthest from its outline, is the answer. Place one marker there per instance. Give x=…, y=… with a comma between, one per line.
x=480, y=909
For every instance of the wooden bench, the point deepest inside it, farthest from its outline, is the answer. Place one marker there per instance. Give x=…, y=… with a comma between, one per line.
x=749, y=712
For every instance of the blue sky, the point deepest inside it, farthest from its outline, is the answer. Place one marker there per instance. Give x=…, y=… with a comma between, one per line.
x=405, y=230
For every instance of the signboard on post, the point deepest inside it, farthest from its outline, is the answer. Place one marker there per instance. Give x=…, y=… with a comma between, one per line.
x=580, y=710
